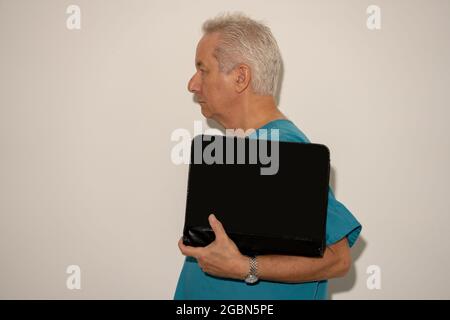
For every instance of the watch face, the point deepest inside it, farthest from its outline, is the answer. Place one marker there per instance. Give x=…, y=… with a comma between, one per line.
x=251, y=279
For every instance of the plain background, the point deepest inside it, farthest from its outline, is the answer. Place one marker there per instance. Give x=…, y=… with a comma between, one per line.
x=86, y=118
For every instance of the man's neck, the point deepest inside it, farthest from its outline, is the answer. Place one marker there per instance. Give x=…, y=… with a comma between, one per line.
x=255, y=114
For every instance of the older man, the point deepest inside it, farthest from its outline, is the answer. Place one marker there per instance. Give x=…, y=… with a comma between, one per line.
x=237, y=71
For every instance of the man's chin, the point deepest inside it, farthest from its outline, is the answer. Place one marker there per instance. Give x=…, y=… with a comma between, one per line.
x=205, y=113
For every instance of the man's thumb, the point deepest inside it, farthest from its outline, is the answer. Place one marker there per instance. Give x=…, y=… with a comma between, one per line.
x=216, y=225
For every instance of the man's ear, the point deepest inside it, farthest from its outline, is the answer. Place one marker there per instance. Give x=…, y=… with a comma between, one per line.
x=242, y=77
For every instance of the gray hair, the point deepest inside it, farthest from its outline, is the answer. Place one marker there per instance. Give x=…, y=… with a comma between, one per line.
x=243, y=40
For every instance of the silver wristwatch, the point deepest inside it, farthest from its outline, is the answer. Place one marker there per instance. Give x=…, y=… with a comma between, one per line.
x=252, y=276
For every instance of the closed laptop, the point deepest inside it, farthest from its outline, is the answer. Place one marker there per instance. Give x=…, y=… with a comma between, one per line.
x=271, y=196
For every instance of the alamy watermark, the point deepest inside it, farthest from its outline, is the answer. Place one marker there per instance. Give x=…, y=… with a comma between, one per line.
x=258, y=151
x=373, y=21
x=73, y=21
x=374, y=280
x=74, y=280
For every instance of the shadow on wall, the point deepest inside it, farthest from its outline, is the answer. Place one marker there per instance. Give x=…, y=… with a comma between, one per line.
x=348, y=282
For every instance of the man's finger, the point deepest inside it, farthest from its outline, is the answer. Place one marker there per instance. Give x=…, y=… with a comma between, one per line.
x=217, y=227
x=188, y=250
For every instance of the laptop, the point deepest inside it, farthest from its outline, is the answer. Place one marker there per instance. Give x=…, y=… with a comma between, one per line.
x=271, y=196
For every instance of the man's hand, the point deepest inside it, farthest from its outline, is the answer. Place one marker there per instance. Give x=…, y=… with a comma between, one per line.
x=221, y=258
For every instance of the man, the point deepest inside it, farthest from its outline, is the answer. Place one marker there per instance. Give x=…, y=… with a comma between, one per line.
x=238, y=66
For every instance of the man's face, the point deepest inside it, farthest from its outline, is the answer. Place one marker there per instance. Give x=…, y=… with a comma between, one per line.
x=212, y=89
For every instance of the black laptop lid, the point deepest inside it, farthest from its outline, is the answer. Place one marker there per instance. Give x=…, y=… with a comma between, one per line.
x=264, y=206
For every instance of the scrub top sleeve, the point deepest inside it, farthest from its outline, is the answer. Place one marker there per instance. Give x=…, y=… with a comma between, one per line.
x=340, y=222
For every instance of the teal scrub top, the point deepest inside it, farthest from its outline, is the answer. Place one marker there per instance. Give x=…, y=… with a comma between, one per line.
x=194, y=284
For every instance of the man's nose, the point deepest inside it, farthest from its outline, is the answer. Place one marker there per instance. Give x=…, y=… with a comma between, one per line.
x=193, y=84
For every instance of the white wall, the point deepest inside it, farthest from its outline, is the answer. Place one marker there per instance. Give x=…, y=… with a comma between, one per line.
x=86, y=118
